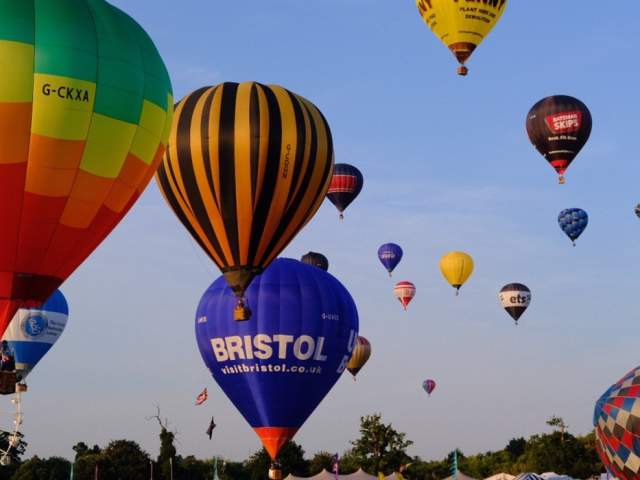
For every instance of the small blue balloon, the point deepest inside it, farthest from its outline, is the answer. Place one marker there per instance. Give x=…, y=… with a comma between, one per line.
x=390, y=255
x=278, y=366
x=573, y=221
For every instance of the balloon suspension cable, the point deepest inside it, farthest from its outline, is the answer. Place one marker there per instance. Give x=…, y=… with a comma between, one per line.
x=561, y=180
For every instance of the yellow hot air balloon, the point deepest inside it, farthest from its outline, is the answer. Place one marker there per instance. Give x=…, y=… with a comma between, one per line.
x=461, y=24
x=456, y=267
x=359, y=357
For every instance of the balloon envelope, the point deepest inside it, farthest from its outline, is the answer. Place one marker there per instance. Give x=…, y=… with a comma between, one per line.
x=85, y=109
x=316, y=259
x=615, y=418
x=32, y=332
x=248, y=165
x=279, y=366
x=360, y=356
x=429, y=386
x=390, y=255
x=573, y=222
x=346, y=184
x=460, y=30
x=456, y=267
x=515, y=299
x=559, y=126
x=404, y=292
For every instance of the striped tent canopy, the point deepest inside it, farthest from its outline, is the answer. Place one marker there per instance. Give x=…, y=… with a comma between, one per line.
x=529, y=476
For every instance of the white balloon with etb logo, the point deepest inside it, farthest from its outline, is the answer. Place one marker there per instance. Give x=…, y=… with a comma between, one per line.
x=33, y=331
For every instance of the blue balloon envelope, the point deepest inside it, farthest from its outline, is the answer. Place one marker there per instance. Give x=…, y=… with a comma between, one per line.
x=573, y=221
x=390, y=255
x=278, y=366
x=33, y=331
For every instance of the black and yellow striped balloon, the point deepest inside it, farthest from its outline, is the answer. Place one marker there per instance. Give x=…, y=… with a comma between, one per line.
x=247, y=167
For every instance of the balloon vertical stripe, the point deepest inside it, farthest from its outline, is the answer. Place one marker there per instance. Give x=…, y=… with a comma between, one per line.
x=253, y=163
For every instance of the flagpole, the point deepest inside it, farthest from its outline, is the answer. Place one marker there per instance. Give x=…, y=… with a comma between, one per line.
x=171, y=467
x=151, y=465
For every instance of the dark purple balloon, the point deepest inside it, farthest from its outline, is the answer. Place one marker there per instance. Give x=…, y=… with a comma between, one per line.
x=390, y=255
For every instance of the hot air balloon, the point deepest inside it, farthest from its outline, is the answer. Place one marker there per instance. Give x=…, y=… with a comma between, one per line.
x=429, y=386
x=390, y=255
x=515, y=298
x=637, y=210
x=615, y=420
x=456, y=267
x=404, y=292
x=573, y=221
x=345, y=186
x=559, y=126
x=277, y=368
x=461, y=27
x=360, y=356
x=247, y=167
x=85, y=107
x=32, y=332
x=316, y=259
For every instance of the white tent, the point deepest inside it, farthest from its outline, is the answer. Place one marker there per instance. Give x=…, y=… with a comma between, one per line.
x=324, y=475
x=501, y=476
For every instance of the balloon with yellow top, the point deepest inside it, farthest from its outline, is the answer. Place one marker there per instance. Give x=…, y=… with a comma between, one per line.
x=461, y=25
x=456, y=267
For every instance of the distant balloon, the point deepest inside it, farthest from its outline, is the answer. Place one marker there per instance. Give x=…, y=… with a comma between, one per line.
x=615, y=419
x=33, y=331
x=459, y=30
x=429, y=386
x=277, y=368
x=404, y=292
x=248, y=165
x=390, y=255
x=637, y=210
x=573, y=221
x=345, y=186
x=316, y=259
x=515, y=298
x=559, y=127
x=456, y=267
x=360, y=356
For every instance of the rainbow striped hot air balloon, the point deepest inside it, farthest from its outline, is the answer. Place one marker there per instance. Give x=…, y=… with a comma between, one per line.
x=85, y=111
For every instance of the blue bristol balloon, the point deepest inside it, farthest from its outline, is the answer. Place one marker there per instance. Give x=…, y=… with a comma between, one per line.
x=33, y=331
x=278, y=366
x=573, y=221
x=390, y=255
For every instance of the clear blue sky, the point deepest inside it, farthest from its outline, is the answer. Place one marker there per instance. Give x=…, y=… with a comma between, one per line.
x=447, y=166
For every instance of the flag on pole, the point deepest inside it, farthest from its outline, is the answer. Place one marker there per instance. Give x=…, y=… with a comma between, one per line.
x=212, y=425
x=454, y=464
x=202, y=397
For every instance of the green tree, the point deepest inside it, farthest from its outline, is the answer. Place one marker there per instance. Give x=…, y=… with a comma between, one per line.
x=321, y=460
x=167, y=457
x=191, y=468
x=380, y=447
x=54, y=468
x=558, y=422
x=291, y=458
x=234, y=471
x=126, y=461
x=515, y=448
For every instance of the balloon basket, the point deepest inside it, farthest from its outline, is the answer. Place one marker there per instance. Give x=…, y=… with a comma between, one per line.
x=241, y=313
x=341, y=216
x=21, y=387
x=561, y=180
x=462, y=71
x=275, y=473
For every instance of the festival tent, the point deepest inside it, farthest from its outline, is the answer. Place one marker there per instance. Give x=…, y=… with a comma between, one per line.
x=529, y=476
x=359, y=475
x=324, y=475
x=501, y=476
x=555, y=476
x=459, y=476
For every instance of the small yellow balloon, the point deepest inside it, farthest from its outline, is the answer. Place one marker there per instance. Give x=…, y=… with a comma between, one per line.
x=359, y=357
x=461, y=25
x=456, y=267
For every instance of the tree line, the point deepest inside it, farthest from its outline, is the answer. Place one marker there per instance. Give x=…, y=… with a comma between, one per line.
x=378, y=448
